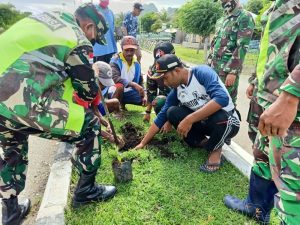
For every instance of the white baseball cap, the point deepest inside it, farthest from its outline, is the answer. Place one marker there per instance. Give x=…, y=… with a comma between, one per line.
x=104, y=72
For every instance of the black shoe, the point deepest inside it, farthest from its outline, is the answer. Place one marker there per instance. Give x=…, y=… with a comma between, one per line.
x=12, y=212
x=88, y=191
x=259, y=202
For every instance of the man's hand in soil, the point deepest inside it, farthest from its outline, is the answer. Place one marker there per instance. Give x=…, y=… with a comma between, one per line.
x=167, y=127
x=184, y=127
x=230, y=79
x=249, y=91
x=121, y=143
x=279, y=116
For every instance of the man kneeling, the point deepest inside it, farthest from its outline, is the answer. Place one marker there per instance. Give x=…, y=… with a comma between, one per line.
x=198, y=106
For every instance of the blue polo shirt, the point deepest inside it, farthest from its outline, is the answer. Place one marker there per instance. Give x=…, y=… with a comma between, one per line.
x=111, y=47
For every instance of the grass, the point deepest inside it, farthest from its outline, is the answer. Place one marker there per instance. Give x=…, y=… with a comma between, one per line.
x=190, y=55
x=164, y=191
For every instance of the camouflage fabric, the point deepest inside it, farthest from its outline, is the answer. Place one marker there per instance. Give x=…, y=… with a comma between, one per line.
x=254, y=112
x=32, y=88
x=229, y=45
x=14, y=149
x=32, y=92
x=155, y=87
x=281, y=55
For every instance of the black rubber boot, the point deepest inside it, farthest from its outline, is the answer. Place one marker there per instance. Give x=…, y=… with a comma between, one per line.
x=88, y=191
x=259, y=202
x=12, y=212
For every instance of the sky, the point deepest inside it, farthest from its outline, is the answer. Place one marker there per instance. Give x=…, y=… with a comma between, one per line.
x=69, y=5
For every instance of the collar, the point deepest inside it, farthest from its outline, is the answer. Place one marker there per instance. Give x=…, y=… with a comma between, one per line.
x=134, y=59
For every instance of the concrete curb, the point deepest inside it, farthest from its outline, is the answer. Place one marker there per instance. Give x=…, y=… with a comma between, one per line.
x=238, y=157
x=55, y=197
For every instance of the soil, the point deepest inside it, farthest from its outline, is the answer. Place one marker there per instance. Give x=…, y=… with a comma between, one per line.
x=132, y=136
x=163, y=146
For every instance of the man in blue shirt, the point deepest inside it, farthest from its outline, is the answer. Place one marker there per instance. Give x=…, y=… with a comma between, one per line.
x=130, y=25
x=199, y=105
x=105, y=52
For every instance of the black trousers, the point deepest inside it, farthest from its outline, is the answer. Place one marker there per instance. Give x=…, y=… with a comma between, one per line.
x=104, y=58
x=220, y=126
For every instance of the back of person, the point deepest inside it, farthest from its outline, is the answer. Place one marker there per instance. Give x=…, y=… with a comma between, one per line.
x=33, y=69
x=105, y=52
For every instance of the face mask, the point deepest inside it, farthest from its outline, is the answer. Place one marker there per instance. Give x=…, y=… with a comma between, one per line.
x=104, y=4
x=229, y=6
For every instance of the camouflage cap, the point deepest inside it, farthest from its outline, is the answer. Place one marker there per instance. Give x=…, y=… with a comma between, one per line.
x=89, y=10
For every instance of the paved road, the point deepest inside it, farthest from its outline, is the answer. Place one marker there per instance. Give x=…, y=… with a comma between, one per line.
x=242, y=103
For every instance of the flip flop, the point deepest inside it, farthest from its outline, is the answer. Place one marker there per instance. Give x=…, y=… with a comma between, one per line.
x=205, y=167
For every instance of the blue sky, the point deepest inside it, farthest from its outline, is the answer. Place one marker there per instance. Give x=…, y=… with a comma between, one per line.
x=116, y=5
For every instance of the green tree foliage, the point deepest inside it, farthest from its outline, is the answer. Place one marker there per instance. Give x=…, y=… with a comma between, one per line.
x=266, y=6
x=119, y=19
x=9, y=15
x=199, y=17
x=148, y=20
x=254, y=6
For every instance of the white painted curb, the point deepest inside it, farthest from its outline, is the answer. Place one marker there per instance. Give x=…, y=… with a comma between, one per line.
x=55, y=197
x=238, y=157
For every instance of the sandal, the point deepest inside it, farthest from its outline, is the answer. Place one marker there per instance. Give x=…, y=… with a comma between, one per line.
x=206, y=166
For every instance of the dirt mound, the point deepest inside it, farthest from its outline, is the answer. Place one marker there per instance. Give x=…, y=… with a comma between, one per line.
x=163, y=147
x=132, y=135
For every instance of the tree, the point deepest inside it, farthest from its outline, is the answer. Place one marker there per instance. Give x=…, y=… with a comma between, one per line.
x=148, y=20
x=119, y=19
x=9, y=15
x=254, y=6
x=199, y=17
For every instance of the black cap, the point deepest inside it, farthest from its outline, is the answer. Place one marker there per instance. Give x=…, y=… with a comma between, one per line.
x=138, y=5
x=165, y=64
x=163, y=48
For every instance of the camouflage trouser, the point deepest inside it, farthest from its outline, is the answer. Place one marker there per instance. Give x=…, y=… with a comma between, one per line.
x=282, y=164
x=14, y=144
x=255, y=110
x=233, y=90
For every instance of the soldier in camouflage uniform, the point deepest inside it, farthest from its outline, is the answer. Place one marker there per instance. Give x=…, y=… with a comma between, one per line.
x=156, y=90
x=278, y=75
x=44, y=58
x=230, y=43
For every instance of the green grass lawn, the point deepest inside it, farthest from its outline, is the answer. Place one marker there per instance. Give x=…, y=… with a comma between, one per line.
x=164, y=191
x=190, y=55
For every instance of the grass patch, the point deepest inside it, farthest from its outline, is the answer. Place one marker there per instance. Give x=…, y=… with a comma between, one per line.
x=164, y=190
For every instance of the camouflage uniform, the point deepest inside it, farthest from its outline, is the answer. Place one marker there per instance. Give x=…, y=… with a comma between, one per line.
x=229, y=46
x=278, y=57
x=255, y=110
x=155, y=88
x=36, y=87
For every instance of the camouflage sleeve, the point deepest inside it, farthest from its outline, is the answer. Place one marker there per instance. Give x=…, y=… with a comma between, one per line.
x=244, y=35
x=292, y=84
x=151, y=89
x=252, y=78
x=81, y=73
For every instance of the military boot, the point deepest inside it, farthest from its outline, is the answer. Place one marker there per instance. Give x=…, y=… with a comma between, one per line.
x=259, y=202
x=12, y=212
x=88, y=191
